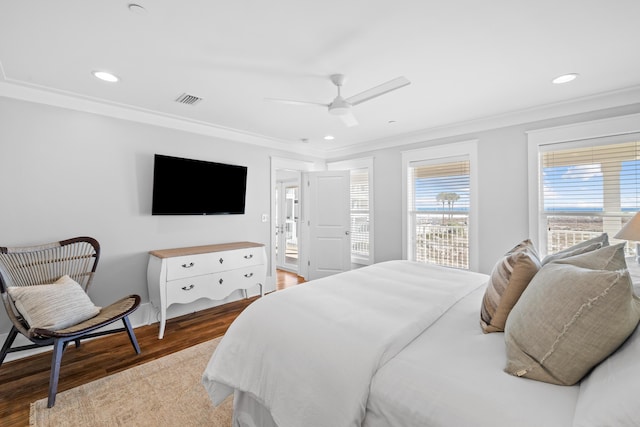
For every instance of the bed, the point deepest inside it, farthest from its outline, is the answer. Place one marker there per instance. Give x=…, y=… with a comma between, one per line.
x=399, y=343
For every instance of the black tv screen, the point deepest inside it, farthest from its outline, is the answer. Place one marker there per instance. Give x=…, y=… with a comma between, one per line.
x=197, y=187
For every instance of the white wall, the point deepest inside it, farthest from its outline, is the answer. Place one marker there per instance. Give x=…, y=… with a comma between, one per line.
x=65, y=173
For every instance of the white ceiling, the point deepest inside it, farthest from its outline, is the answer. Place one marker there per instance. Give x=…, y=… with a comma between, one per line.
x=466, y=59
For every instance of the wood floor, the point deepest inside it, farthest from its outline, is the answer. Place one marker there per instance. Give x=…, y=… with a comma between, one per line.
x=26, y=380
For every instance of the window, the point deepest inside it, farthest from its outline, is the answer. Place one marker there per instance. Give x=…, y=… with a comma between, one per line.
x=360, y=224
x=583, y=186
x=361, y=202
x=439, y=204
x=588, y=190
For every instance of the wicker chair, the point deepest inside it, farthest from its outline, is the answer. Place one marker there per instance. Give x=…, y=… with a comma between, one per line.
x=44, y=264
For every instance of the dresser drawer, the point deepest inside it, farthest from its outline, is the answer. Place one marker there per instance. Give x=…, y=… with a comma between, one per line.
x=197, y=265
x=184, y=291
x=248, y=276
x=231, y=260
x=190, y=266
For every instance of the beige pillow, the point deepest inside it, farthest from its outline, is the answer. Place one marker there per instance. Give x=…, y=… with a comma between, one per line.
x=567, y=321
x=509, y=278
x=580, y=248
x=53, y=306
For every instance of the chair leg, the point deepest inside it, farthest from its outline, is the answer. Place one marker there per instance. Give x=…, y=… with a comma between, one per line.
x=56, y=359
x=13, y=333
x=77, y=343
x=132, y=336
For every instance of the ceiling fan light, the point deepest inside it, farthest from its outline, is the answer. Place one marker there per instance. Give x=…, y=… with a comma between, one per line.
x=339, y=111
x=342, y=108
x=339, y=107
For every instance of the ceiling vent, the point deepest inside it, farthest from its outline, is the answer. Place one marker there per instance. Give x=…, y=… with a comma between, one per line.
x=185, y=98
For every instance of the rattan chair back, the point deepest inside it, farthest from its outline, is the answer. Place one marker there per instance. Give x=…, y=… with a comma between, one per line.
x=44, y=264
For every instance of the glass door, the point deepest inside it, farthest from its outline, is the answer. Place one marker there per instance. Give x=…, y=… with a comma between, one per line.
x=287, y=227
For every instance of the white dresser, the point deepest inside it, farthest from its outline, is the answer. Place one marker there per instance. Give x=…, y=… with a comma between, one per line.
x=183, y=275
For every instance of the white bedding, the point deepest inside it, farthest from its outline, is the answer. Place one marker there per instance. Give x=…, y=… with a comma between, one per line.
x=452, y=375
x=308, y=353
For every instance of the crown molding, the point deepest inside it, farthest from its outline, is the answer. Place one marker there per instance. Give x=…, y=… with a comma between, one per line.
x=73, y=101
x=618, y=98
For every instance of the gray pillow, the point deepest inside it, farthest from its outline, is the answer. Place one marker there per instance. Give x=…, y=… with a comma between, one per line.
x=580, y=248
x=607, y=258
x=567, y=321
x=53, y=306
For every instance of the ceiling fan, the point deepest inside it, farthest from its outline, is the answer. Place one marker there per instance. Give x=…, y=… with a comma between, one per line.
x=342, y=107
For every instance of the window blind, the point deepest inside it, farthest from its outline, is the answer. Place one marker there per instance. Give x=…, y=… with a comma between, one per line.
x=597, y=179
x=360, y=213
x=439, y=202
x=588, y=188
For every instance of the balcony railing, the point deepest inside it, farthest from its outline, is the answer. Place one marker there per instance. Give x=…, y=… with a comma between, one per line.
x=558, y=240
x=442, y=239
x=360, y=234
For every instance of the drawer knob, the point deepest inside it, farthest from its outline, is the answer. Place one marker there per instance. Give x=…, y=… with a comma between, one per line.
x=188, y=265
x=248, y=275
x=221, y=260
x=220, y=281
x=188, y=288
x=248, y=256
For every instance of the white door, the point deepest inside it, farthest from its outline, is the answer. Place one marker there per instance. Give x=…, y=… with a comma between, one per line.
x=329, y=223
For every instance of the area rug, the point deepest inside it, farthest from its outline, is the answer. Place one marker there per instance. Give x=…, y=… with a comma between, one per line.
x=164, y=392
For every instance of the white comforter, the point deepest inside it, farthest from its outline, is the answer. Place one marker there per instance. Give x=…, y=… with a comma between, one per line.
x=308, y=353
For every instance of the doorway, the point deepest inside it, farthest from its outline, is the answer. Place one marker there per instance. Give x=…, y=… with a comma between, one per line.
x=287, y=220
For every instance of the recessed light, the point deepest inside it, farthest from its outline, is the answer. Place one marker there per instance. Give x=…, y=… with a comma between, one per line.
x=565, y=78
x=105, y=76
x=329, y=137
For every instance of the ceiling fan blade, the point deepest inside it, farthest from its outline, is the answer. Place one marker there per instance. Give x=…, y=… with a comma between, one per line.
x=368, y=94
x=348, y=119
x=294, y=102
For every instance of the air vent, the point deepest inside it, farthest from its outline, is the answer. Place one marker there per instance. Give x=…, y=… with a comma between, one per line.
x=185, y=98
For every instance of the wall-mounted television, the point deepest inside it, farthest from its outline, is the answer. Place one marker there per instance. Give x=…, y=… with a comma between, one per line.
x=197, y=187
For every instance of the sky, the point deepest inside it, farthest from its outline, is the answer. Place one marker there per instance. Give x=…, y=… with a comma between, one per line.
x=427, y=190
x=581, y=187
x=577, y=187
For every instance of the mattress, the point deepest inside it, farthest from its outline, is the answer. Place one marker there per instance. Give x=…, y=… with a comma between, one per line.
x=308, y=353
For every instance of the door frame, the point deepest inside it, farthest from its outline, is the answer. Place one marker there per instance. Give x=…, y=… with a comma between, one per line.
x=295, y=165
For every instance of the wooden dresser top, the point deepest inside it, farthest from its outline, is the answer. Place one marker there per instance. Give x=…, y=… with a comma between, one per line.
x=194, y=250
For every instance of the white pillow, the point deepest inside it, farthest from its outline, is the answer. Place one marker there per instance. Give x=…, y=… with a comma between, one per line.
x=609, y=394
x=55, y=306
